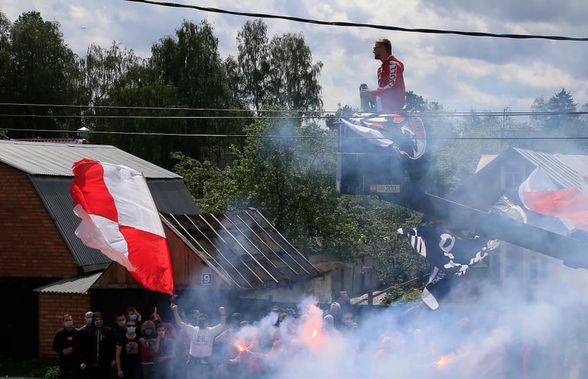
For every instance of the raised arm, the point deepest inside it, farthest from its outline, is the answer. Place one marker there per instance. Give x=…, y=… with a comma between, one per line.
x=177, y=317
x=217, y=329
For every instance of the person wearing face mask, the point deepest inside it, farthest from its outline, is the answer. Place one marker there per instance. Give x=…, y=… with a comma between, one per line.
x=165, y=352
x=88, y=321
x=134, y=315
x=127, y=353
x=120, y=328
x=97, y=358
x=64, y=345
x=201, y=340
x=148, y=351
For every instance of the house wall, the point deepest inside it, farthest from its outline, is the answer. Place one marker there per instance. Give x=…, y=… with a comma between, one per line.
x=52, y=307
x=30, y=244
x=189, y=270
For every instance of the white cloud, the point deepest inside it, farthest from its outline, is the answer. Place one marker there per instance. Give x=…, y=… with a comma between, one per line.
x=459, y=72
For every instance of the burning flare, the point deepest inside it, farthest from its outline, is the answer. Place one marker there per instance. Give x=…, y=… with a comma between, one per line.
x=442, y=362
x=314, y=333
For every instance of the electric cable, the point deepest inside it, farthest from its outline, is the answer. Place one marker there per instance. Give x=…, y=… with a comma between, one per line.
x=217, y=135
x=361, y=25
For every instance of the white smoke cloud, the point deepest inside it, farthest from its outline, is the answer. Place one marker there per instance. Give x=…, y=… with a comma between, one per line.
x=493, y=334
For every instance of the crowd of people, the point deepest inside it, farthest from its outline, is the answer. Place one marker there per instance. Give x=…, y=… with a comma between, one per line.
x=306, y=340
x=134, y=347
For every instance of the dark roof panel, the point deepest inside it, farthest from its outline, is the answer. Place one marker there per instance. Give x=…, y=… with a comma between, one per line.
x=54, y=192
x=172, y=196
x=169, y=194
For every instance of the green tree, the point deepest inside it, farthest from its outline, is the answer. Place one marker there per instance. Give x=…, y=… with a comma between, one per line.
x=293, y=78
x=141, y=87
x=277, y=72
x=190, y=62
x=104, y=68
x=415, y=103
x=41, y=68
x=254, y=63
x=5, y=27
x=560, y=102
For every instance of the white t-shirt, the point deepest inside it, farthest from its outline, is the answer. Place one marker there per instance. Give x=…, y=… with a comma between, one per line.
x=201, y=340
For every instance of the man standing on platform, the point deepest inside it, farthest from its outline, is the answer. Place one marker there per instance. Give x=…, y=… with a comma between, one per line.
x=390, y=89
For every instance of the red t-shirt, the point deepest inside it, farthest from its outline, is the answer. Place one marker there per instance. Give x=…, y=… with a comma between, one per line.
x=391, y=85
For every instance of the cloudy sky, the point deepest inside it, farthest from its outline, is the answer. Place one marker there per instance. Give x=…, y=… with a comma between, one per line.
x=459, y=72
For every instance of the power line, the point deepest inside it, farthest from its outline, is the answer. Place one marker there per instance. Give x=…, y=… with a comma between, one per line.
x=311, y=114
x=147, y=117
x=80, y=106
x=159, y=134
x=361, y=25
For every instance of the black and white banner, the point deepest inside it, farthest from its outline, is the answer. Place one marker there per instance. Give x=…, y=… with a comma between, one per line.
x=405, y=133
x=449, y=255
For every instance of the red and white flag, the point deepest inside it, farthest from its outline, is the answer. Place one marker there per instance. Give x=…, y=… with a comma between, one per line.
x=120, y=219
x=540, y=194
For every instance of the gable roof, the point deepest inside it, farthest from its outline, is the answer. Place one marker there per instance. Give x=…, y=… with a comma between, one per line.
x=242, y=247
x=48, y=166
x=483, y=189
x=566, y=170
x=56, y=159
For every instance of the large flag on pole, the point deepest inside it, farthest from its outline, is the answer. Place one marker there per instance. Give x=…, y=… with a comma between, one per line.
x=120, y=219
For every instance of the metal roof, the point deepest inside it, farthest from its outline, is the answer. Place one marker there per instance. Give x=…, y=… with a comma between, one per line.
x=79, y=285
x=483, y=189
x=560, y=167
x=56, y=159
x=170, y=195
x=242, y=247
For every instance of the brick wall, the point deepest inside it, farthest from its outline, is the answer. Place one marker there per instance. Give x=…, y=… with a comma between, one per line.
x=30, y=244
x=52, y=307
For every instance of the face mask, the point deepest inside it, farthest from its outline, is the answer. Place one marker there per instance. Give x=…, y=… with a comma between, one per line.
x=68, y=324
x=121, y=324
x=98, y=323
x=133, y=317
x=148, y=332
x=88, y=321
x=131, y=329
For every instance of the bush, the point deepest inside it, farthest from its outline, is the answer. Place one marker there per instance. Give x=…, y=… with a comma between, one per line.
x=52, y=373
x=31, y=368
x=397, y=294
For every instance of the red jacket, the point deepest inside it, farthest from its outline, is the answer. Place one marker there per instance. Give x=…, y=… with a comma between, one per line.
x=391, y=85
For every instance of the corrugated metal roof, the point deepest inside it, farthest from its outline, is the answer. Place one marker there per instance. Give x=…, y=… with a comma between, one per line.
x=172, y=196
x=242, y=247
x=169, y=195
x=78, y=285
x=56, y=159
x=556, y=167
